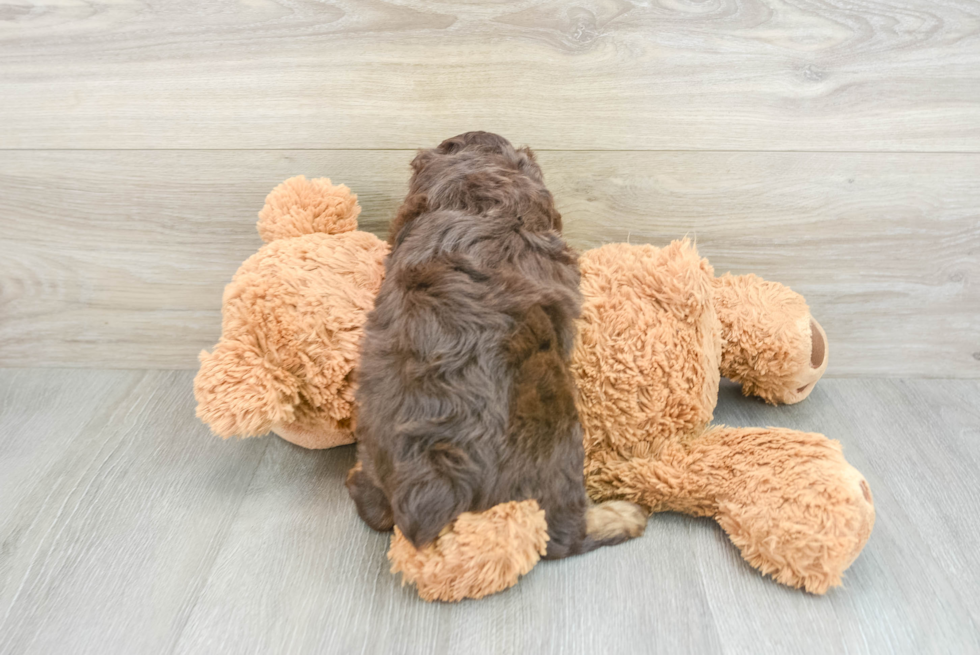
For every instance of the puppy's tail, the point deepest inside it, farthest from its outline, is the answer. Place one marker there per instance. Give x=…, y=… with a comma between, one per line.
x=479, y=554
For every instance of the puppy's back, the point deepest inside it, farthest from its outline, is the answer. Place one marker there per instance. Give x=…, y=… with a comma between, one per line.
x=467, y=299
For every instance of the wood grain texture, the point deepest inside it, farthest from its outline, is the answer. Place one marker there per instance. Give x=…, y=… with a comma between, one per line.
x=600, y=74
x=131, y=529
x=118, y=259
x=114, y=506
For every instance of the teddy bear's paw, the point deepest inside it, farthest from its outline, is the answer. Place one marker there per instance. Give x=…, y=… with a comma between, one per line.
x=800, y=373
x=796, y=510
x=615, y=521
x=480, y=554
x=771, y=344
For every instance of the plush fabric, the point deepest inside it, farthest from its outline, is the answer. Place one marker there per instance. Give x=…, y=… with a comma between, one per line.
x=787, y=499
x=482, y=553
x=656, y=325
x=771, y=344
x=298, y=207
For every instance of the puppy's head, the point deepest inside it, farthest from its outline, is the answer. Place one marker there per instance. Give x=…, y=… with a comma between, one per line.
x=479, y=173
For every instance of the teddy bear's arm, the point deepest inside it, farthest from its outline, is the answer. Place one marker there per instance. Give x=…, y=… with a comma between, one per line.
x=771, y=344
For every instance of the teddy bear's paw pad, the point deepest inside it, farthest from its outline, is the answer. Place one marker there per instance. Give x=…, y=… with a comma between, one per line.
x=818, y=364
x=615, y=521
x=800, y=373
x=480, y=554
x=864, y=508
x=818, y=345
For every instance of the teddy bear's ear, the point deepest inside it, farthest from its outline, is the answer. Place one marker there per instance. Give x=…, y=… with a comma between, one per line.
x=299, y=206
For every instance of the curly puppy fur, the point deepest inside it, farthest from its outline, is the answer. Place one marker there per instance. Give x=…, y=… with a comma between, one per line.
x=466, y=399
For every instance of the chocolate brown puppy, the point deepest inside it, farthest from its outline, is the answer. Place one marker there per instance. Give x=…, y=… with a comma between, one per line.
x=465, y=396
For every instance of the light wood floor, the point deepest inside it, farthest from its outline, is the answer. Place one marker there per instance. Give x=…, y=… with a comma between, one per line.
x=127, y=528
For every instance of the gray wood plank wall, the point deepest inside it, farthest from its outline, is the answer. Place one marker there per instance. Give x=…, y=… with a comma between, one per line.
x=831, y=146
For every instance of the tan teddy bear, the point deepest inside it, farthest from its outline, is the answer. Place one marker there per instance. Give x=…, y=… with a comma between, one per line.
x=657, y=332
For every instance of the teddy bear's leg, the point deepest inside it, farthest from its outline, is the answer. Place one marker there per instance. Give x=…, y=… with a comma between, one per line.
x=791, y=503
x=788, y=500
x=771, y=344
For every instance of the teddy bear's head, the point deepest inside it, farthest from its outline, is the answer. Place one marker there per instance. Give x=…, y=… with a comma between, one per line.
x=291, y=321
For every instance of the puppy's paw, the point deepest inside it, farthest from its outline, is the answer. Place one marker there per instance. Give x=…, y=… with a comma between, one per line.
x=615, y=520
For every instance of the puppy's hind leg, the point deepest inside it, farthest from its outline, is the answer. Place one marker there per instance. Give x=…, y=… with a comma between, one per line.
x=372, y=505
x=613, y=522
x=580, y=527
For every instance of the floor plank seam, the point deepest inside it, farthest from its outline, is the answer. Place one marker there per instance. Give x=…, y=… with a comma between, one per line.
x=690, y=528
